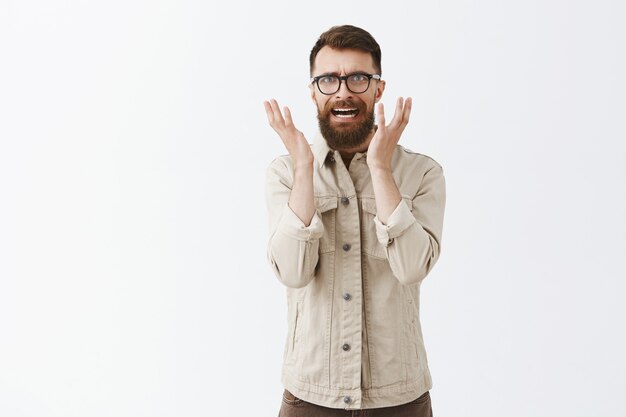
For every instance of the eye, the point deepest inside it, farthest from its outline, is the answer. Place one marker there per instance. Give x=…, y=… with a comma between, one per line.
x=358, y=78
x=329, y=79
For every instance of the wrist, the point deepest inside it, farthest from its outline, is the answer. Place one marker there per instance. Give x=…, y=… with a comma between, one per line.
x=304, y=170
x=377, y=169
x=302, y=162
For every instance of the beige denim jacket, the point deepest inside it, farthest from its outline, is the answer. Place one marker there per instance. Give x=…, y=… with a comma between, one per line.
x=353, y=284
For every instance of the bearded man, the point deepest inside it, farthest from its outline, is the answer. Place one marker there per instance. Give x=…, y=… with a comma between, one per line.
x=355, y=225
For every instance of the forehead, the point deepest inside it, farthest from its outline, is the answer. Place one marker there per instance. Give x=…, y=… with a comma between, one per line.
x=343, y=61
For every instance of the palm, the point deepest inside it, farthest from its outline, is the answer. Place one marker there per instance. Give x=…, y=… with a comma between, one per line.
x=386, y=138
x=292, y=138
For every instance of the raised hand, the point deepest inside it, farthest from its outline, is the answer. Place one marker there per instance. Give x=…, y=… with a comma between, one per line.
x=386, y=138
x=301, y=197
x=293, y=139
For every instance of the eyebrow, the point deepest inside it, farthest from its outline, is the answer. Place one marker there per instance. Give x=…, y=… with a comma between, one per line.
x=338, y=74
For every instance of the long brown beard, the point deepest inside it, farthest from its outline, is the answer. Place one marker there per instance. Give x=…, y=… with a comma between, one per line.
x=349, y=137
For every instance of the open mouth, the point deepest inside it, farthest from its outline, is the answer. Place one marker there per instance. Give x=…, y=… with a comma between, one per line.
x=345, y=113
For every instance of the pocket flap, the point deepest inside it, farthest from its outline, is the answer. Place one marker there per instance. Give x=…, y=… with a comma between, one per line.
x=324, y=204
x=369, y=204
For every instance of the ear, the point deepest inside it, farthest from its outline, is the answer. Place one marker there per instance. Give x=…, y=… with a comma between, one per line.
x=380, y=87
x=312, y=91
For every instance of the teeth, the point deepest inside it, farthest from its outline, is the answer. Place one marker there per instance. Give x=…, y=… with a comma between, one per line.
x=345, y=113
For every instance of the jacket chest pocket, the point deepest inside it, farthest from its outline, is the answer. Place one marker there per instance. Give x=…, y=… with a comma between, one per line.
x=370, y=243
x=327, y=207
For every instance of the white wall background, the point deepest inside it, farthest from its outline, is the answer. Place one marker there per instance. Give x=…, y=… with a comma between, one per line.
x=133, y=148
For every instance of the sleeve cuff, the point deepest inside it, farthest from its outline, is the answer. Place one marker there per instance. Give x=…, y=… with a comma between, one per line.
x=399, y=220
x=291, y=225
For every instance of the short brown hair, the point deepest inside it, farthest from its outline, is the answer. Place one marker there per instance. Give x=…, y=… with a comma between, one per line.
x=347, y=37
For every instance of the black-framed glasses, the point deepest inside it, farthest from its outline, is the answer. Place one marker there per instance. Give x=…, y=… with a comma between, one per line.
x=357, y=83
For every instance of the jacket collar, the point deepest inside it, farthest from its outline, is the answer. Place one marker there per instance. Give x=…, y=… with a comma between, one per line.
x=321, y=152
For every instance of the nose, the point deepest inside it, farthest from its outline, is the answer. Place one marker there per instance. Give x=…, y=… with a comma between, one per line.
x=343, y=92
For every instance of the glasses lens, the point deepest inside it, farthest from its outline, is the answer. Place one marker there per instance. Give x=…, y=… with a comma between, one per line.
x=328, y=84
x=358, y=83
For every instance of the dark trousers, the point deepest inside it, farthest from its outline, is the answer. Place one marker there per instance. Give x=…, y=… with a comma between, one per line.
x=293, y=406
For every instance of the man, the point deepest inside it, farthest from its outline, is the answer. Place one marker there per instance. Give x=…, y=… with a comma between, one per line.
x=355, y=226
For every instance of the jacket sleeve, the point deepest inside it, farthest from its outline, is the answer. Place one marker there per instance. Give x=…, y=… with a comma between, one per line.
x=292, y=249
x=412, y=237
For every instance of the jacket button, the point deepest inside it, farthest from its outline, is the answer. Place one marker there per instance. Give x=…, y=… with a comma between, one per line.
x=347, y=399
x=347, y=296
x=346, y=247
x=346, y=347
x=345, y=201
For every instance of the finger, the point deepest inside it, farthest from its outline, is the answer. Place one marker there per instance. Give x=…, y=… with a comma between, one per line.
x=407, y=110
x=288, y=120
x=269, y=111
x=397, y=116
x=381, y=115
x=278, y=116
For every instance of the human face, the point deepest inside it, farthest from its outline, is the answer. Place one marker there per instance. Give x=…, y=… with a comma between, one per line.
x=341, y=131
